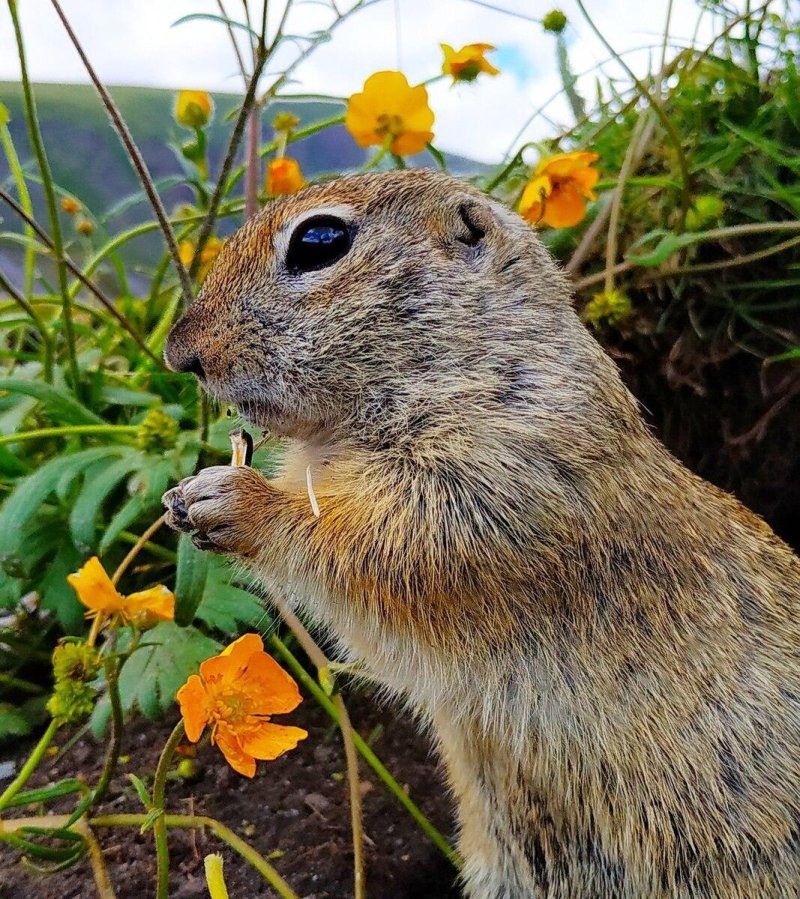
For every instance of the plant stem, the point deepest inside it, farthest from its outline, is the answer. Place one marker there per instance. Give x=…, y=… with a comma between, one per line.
x=321, y=663
x=30, y=765
x=67, y=430
x=366, y=752
x=251, y=178
x=8, y=828
x=136, y=549
x=219, y=830
x=37, y=144
x=665, y=120
x=160, y=828
x=236, y=136
x=135, y=156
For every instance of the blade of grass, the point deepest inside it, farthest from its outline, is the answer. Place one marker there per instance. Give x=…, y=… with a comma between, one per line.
x=35, y=134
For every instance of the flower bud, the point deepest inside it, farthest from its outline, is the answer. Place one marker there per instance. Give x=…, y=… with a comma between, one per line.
x=84, y=226
x=157, y=431
x=555, y=21
x=193, y=109
x=70, y=205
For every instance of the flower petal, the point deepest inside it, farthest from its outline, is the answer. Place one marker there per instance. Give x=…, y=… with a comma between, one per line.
x=269, y=740
x=158, y=601
x=564, y=207
x=270, y=690
x=566, y=163
x=231, y=661
x=530, y=204
x=94, y=587
x=228, y=742
x=192, y=700
x=585, y=179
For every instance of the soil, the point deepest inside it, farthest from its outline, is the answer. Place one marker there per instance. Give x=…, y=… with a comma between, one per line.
x=295, y=810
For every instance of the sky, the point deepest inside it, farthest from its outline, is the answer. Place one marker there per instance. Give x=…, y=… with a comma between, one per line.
x=134, y=42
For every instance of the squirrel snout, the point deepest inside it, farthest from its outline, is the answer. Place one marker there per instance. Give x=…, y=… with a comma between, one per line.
x=180, y=355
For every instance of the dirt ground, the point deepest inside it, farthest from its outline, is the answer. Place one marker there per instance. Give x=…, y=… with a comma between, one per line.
x=295, y=809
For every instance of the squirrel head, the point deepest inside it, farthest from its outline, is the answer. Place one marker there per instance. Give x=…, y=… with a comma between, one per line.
x=375, y=305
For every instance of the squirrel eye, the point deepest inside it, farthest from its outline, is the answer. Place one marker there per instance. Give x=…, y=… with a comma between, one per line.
x=317, y=243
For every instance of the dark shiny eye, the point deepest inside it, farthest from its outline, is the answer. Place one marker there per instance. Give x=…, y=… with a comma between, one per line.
x=317, y=243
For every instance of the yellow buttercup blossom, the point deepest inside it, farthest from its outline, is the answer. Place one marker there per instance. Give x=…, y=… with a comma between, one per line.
x=283, y=176
x=390, y=112
x=97, y=592
x=193, y=108
x=468, y=62
x=557, y=193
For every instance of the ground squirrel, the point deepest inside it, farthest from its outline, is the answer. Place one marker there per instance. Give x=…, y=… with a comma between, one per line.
x=607, y=647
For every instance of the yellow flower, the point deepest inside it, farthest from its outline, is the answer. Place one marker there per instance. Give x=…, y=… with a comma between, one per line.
x=557, y=193
x=193, y=108
x=283, y=176
x=389, y=110
x=468, y=62
x=70, y=205
x=103, y=600
x=611, y=306
x=235, y=693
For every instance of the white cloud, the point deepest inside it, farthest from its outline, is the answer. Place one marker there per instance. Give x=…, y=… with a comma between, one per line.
x=131, y=42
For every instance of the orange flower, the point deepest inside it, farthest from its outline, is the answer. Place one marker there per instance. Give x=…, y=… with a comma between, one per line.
x=390, y=110
x=235, y=693
x=468, y=62
x=193, y=108
x=557, y=193
x=283, y=176
x=70, y=205
x=96, y=591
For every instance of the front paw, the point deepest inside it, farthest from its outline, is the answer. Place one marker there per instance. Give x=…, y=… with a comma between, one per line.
x=220, y=507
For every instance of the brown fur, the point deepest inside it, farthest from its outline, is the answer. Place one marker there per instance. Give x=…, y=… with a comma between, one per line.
x=608, y=647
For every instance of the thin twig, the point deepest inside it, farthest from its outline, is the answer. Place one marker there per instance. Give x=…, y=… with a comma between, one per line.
x=234, y=43
x=105, y=889
x=135, y=156
x=61, y=255
x=233, y=147
x=136, y=549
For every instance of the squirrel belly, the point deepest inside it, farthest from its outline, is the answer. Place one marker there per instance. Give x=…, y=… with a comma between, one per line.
x=606, y=647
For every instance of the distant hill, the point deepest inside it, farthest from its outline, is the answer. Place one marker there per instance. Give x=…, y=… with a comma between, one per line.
x=88, y=161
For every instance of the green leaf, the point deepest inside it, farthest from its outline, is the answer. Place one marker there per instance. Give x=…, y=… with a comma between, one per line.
x=60, y=404
x=95, y=491
x=13, y=723
x=29, y=494
x=211, y=17
x=228, y=608
x=190, y=579
x=151, y=676
x=668, y=245
x=141, y=790
x=147, y=498
x=56, y=593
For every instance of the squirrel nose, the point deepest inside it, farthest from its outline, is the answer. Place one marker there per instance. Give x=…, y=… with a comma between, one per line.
x=195, y=366
x=183, y=358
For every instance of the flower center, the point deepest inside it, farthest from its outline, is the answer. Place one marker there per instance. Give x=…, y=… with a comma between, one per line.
x=389, y=124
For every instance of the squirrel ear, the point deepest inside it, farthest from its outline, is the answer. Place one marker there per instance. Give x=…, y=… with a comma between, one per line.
x=475, y=219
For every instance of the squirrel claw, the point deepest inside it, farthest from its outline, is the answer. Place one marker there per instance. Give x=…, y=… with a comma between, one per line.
x=177, y=514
